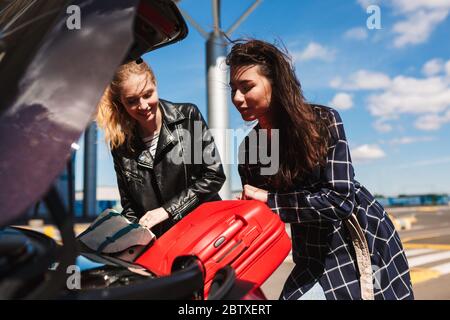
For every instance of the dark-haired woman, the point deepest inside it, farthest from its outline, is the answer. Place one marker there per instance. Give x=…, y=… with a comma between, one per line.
x=344, y=244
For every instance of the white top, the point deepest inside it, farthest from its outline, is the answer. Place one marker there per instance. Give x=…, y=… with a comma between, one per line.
x=151, y=142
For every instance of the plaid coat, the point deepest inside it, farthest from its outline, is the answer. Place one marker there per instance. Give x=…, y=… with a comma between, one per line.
x=316, y=209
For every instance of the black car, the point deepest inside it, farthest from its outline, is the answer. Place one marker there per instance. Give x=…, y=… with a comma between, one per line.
x=52, y=75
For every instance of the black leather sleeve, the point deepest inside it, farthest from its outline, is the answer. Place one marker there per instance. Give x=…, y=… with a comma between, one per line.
x=125, y=199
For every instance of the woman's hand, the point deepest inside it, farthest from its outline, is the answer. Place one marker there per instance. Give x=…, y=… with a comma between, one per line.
x=253, y=193
x=153, y=217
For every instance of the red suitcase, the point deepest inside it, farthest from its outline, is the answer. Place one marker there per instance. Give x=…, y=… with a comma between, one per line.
x=245, y=234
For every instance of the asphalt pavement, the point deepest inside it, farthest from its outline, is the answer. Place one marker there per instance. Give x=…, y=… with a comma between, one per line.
x=425, y=233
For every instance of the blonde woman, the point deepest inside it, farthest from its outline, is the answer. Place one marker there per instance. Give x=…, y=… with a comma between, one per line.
x=152, y=143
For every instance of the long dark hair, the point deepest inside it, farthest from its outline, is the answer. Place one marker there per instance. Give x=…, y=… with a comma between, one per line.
x=303, y=136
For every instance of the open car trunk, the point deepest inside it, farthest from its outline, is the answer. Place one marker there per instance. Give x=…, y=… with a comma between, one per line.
x=52, y=76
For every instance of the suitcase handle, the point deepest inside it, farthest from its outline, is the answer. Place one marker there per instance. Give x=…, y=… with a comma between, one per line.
x=233, y=250
x=233, y=228
x=225, y=230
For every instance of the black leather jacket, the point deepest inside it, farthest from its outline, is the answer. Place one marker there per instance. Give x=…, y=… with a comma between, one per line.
x=172, y=180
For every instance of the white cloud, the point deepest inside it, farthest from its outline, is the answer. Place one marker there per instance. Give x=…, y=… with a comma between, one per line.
x=433, y=67
x=367, y=152
x=358, y=33
x=428, y=98
x=418, y=26
x=365, y=3
x=381, y=126
x=447, y=68
x=425, y=163
x=417, y=18
x=411, y=95
x=410, y=140
x=429, y=122
x=414, y=5
x=315, y=51
x=362, y=80
x=432, y=122
x=336, y=82
x=342, y=101
x=421, y=17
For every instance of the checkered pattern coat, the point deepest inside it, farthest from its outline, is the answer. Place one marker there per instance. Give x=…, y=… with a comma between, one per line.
x=316, y=209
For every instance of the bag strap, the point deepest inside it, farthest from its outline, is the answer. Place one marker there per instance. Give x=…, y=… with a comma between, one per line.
x=362, y=257
x=116, y=236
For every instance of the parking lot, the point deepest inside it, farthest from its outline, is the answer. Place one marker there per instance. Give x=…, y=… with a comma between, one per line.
x=425, y=232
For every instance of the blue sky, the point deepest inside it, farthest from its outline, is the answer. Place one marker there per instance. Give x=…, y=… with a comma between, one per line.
x=390, y=85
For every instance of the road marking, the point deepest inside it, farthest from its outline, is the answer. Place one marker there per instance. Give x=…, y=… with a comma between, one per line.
x=403, y=223
x=417, y=252
x=434, y=234
x=420, y=254
x=428, y=258
x=429, y=209
x=443, y=268
x=50, y=231
x=409, y=246
x=419, y=275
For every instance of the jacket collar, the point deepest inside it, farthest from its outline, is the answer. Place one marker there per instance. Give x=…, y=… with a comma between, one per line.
x=170, y=112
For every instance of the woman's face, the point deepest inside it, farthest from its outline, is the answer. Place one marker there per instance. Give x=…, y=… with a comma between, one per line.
x=251, y=92
x=139, y=96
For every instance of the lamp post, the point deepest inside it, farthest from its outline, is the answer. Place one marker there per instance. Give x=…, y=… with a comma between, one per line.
x=217, y=80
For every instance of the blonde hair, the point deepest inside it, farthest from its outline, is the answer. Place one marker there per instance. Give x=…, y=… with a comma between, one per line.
x=112, y=117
